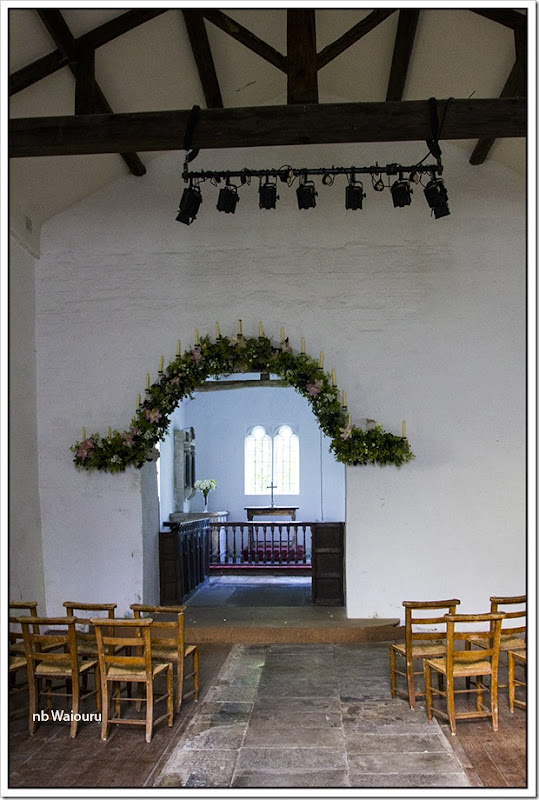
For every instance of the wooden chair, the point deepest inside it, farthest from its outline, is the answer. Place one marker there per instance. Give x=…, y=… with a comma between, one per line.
x=418, y=643
x=521, y=660
x=17, y=657
x=168, y=644
x=464, y=664
x=86, y=638
x=134, y=666
x=51, y=655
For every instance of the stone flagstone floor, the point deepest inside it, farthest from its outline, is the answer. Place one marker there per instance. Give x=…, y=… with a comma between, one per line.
x=309, y=716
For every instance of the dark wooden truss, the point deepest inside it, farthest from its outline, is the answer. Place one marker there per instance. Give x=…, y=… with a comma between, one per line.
x=95, y=128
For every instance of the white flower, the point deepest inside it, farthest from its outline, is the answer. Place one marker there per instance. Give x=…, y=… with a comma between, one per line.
x=206, y=485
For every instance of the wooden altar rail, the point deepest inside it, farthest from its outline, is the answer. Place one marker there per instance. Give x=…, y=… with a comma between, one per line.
x=265, y=543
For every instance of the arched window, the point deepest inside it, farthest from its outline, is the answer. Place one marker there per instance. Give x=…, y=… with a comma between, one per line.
x=272, y=460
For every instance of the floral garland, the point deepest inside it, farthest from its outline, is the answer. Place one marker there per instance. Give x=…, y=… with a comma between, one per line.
x=350, y=444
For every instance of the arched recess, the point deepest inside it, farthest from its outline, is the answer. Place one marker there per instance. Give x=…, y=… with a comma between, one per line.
x=225, y=355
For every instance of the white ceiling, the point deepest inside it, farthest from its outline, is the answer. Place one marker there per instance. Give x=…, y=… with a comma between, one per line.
x=456, y=53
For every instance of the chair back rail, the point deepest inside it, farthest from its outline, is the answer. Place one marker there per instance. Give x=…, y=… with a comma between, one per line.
x=506, y=605
x=491, y=636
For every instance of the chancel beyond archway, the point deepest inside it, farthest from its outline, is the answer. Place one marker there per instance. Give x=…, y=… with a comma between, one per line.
x=225, y=355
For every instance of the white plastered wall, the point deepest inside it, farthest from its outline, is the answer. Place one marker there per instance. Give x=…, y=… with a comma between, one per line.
x=422, y=320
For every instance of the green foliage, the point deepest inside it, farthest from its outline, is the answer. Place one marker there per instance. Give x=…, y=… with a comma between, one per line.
x=226, y=355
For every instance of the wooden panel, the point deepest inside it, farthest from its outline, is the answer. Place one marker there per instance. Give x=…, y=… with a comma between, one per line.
x=184, y=560
x=328, y=563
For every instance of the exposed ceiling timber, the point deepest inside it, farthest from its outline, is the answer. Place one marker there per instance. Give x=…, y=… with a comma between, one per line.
x=85, y=82
x=267, y=126
x=302, y=84
x=404, y=42
x=198, y=39
x=97, y=37
x=67, y=44
x=353, y=35
x=243, y=35
x=504, y=16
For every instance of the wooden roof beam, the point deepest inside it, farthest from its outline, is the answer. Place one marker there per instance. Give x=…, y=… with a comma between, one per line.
x=302, y=84
x=56, y=60
x=504, y=16
x=353, y=35
x=200, y=45
x=88, y=95
x=243, y=35
x=402, y=51
x=266, y=126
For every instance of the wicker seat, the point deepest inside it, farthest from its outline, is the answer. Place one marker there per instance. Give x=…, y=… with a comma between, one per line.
x=135, y=665
x=465, y=663
x=418, y=643
x=51, y=656
x=168, y=644
x=86, y=639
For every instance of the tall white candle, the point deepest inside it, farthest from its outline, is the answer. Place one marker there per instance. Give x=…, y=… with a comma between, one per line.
x=240, y=328
x=84, y=434
x=282, y=335
x=344, y=399
x=217, y=330
x=321, y=361
x=302, y=344
x=138, y=401
x=260, y=329
x=196, y=335
x=333, y=378
x=147, y=380
x=404, y=428
x=349, y=419
x=178, y=348
x=161, y=363
x=110, y=431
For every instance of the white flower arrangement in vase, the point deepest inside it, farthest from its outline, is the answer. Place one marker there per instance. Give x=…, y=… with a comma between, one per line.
x=205, y=487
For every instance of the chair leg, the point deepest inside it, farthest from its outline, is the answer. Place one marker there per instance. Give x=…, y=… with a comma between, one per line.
x=170, y=696
x=117, y=690
x=32, y=705
x=149, y=710
x=480, y=686
x=97, y=685
x=511, y=680
x=75, y=696
x=179, y=684
x=428, y=689
x=450, y=698
x=392, y=673
x=105, y=701
x=195, y=673
x=410, y=681
x=494, y=701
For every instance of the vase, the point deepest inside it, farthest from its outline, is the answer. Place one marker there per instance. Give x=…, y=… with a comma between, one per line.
x=206, y=509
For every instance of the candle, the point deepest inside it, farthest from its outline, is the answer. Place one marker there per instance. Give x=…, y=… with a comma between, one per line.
x=196, y=335
x=404, y=428
x=333, y=378
x=321, y=362
x=138, y=401
x=178, y=348
x=282, y=335
x=302, y=344
x=161, y=364
x=84, y=434
x=240, y=330
x=147, y=380
x=350, y=420
x=217, y=330
x=260, y=329
x=110, y=431
x=344, y=399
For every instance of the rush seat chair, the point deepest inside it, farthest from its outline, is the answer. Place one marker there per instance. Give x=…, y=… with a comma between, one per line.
x=419, y=643
x=464, y=663
x=125, y=656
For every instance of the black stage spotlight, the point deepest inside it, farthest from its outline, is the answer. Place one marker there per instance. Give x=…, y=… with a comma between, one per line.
x=189, y=205
x=306, y=195
x=228, y=199
x=267, y=194
x=354, y=196
x=436, y=195
x=401, y=193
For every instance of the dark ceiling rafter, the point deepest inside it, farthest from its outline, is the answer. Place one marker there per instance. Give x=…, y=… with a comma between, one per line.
x=504, y=16
x=515, y=86
x=198, y=38
x=89, y=93
x=95, y=38
x=267, y=126
x=402, y=51
x=243, y=35
x=353, y=35
x=301, y=59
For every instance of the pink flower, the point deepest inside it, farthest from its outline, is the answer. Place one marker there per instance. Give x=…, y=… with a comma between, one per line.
x=315, y=388
x=152, y=415
x=176, y=381
x=85, y=449
x=129, y=436
x=196, y=355
x=285, y=347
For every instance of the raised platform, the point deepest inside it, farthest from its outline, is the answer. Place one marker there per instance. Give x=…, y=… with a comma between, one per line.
x=244, y=611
